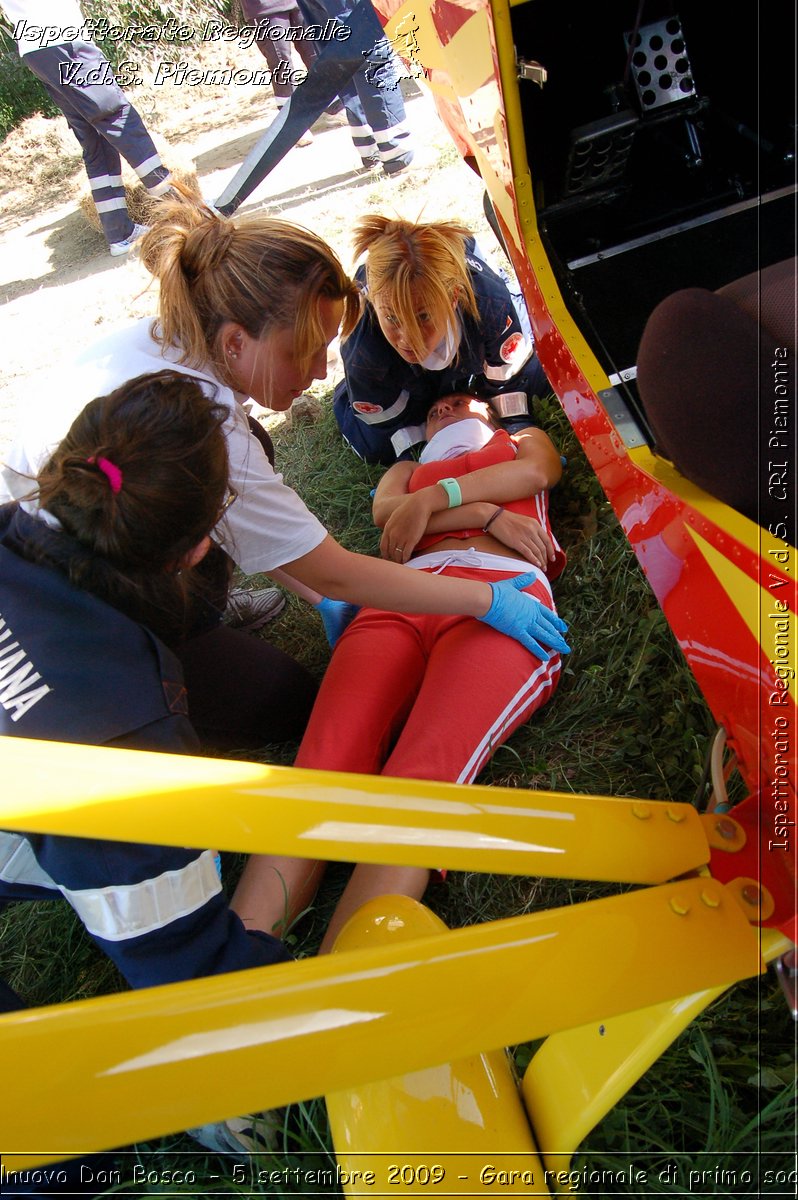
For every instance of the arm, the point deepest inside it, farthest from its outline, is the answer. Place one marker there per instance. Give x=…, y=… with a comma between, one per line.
x=336, y=572
x=354, y=577
x=406, y=518
x=293, y=585
x=509, y=363
x=392, y=491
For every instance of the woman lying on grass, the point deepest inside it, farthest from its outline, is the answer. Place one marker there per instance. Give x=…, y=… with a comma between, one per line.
x=431, y=696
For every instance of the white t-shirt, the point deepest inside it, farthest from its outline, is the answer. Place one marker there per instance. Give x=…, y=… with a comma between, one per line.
x=267, y=525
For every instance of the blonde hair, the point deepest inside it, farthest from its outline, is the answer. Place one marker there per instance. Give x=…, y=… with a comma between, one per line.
x=256, y=271
x=416, y=267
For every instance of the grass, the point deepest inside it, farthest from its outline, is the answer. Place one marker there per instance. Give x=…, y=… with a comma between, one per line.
x=627, y=720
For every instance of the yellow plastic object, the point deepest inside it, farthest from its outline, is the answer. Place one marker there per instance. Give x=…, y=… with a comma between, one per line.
x=577, y=1076
x=86, y=791
x=458, y=1128
x=129, y=1067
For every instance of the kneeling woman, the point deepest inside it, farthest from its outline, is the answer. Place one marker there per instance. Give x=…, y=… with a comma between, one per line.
x=94, y=588
x=436, y=320
x=432, y=696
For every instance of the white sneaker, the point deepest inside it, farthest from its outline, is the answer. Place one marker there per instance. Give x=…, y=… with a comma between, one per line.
x=117, y=248
x=251, y=610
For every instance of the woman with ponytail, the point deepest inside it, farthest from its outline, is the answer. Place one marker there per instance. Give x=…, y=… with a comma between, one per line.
x=247, y=308
x=437, y=321
x=94, y=586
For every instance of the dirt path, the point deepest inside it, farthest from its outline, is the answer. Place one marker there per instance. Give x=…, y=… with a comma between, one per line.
x=58, y=284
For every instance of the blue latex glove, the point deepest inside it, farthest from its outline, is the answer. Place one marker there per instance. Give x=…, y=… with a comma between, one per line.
x=335, y=616
x=525, y=618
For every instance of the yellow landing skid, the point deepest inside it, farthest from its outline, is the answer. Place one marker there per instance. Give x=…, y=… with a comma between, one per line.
x=458, y=1128
x=134, y=1066
x=175, y=800
x=578, y=1075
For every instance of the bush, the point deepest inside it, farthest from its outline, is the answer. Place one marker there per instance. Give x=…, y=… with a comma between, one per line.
x=21, y=94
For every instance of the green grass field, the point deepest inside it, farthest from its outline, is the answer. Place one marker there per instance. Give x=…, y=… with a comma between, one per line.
x=627, y=720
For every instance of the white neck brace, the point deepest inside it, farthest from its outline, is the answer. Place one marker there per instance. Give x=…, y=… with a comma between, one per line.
x=458, y=438
x=444, y=353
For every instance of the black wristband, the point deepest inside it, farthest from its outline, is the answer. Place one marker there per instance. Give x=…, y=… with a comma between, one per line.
x=491, y=519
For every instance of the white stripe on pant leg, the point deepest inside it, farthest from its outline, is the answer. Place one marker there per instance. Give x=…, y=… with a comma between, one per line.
x=124, y=911
x=160, y=188
x=387, y=135
x=541, y=679
x=148, y=166
x=18, y=863
x=494, y=738
x=396, y=152
x=105, y=181
x=110, y=205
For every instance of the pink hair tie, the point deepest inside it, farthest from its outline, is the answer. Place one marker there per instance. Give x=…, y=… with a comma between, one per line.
x=111, y=471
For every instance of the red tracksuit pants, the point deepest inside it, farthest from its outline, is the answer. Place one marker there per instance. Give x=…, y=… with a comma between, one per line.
x=424, y=696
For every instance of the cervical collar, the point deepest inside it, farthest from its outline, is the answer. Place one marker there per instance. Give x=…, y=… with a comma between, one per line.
x=443, y=354
x=458, y=438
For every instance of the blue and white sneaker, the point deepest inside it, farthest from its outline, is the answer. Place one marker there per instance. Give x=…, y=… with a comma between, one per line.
x=260, y=1133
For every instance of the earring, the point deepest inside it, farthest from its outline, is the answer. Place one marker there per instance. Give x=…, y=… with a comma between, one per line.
x=232, y=354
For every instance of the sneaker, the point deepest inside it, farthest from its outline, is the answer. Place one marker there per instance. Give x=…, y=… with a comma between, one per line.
x=117, y=248
x=257, y=1134
x=394, y=166
x=250, y=610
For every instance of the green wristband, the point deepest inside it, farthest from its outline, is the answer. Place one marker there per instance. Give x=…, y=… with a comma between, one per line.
x=453, y=493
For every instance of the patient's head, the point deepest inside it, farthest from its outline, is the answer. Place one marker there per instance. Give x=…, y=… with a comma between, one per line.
x=458, y=407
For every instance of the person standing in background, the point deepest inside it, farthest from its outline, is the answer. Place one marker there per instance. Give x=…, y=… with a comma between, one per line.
x=375, y=107
x=80, y=80
x=285, y=15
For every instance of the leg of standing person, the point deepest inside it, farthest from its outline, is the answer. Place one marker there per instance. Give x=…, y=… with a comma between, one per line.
x=104, y=170
x=277, y=53
x=100, y=112
x=374, y=106
x=385, y=117
x=362, y=137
